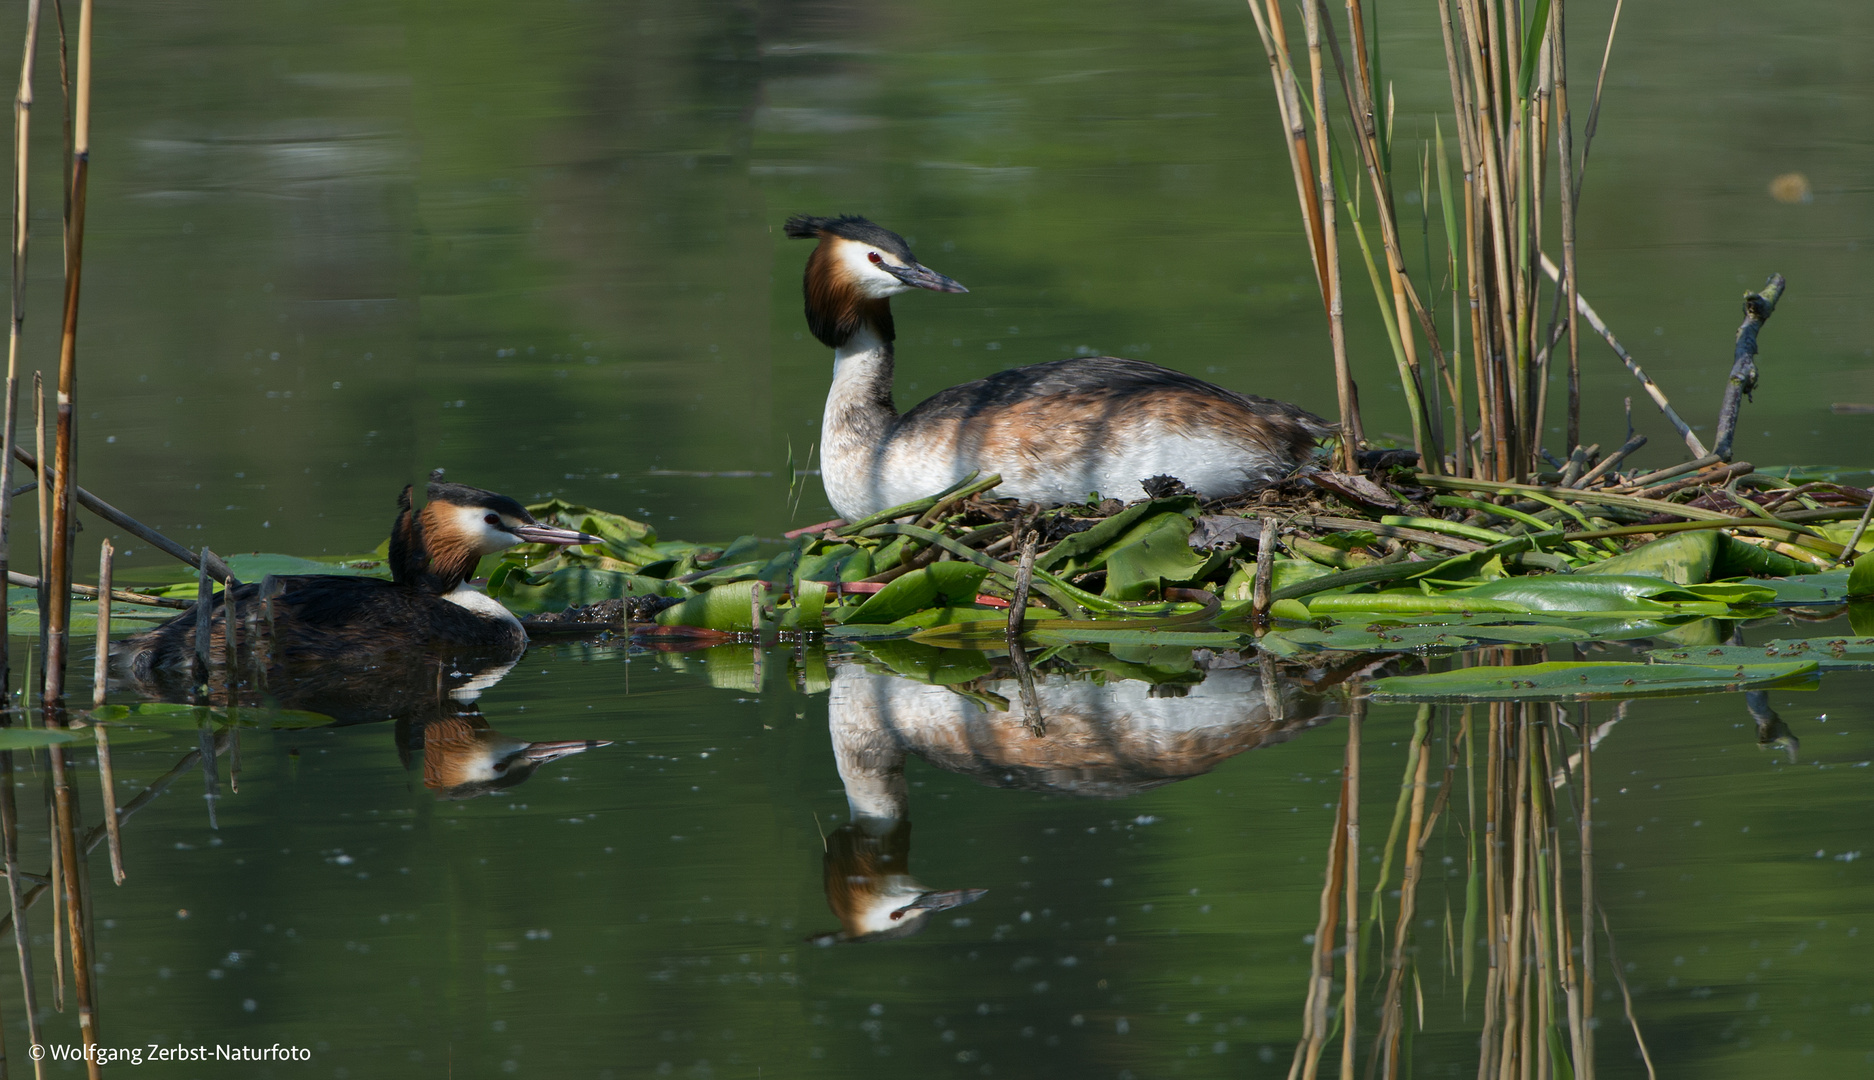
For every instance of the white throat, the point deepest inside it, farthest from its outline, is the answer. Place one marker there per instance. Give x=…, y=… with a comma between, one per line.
x=858, y=358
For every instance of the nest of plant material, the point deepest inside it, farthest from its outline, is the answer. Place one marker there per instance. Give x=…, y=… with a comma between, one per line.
x=962, y=566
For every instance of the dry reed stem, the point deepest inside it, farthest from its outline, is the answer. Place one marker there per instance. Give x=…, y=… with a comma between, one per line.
x=58, y=572
x=90, y=592
x=45, y=513
x=1262, y=587
x=22, y=128
x=1287, y=93
x=1570, y=201
x=204, y=626
x=100, y=686
x=1405, y=298
x=1324, y=171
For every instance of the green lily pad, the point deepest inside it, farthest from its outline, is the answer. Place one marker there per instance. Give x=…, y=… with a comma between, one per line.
x=171, y=716
x=1186, y=639
x=1616, y=592
x=1830, y=587
x=32, y=738
x=1685, y=558
x=1828, y=653
x=1562, y=680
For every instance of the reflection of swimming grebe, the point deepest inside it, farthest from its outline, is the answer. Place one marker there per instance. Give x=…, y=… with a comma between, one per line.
x=1053, y=431
x=428, y=602
x=463, y=757
x=869, y=884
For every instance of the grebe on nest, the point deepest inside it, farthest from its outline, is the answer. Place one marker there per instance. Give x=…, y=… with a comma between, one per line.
x=428, y=603
x=1055, y=432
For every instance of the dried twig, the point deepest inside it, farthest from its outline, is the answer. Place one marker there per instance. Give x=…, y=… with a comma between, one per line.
x=90, y=592
x=1758, y=307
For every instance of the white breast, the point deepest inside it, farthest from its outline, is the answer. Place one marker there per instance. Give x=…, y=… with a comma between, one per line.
x=480, y=603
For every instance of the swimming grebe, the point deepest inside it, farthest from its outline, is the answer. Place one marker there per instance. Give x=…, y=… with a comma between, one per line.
x=1056, y=431
x=428, y=601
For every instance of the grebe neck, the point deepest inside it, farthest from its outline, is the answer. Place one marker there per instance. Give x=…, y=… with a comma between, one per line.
x=859, y=409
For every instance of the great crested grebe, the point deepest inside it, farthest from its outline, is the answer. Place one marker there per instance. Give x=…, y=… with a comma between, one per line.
x=427, y=603
x=1055, y=431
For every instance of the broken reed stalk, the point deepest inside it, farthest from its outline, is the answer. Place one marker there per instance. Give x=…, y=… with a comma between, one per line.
x=100, y=688
x=1262, y=588
x=1608, y=463
x=58, y=572
x=90, y=592
x=22, y=127
x=1018, y=609
x=1758, y=307
x=204, y=626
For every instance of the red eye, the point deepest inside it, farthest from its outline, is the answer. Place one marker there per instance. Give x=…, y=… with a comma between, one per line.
x=873, y=255
x=492, y=519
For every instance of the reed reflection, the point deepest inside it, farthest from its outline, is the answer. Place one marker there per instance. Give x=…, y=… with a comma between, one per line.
x=1076, y=731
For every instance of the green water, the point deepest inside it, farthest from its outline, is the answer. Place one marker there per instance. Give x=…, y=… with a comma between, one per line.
x=331, y=247
x=644, y=908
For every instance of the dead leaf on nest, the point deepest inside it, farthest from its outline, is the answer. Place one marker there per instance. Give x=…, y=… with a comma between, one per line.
x=1356, y=489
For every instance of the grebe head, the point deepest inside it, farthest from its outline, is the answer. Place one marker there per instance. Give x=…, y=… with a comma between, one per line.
x=438, y=547
x=853, y=274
